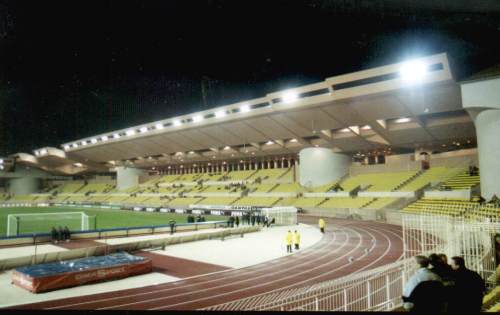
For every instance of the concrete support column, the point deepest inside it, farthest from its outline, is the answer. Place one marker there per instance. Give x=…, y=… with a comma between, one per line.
x=481, y=98
x=24, y=185
x=127, y=177
x=488, y=130
x=320, y=166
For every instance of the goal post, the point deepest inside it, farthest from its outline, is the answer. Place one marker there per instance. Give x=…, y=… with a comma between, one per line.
x=24, y=223
x=281, y=215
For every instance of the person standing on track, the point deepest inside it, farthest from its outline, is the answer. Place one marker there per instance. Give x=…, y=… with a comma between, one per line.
x=237, y=221
x=289, y=241
x=322, y=225
x=296, y=239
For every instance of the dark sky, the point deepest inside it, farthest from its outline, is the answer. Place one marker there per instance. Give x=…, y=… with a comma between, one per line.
x=73, y=69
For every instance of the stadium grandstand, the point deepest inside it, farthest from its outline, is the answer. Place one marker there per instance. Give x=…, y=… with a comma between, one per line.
x=381, y=153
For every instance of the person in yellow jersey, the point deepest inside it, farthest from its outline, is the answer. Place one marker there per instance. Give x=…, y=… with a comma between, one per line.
x=289, y=241
x=296, y=239
x=322, y=225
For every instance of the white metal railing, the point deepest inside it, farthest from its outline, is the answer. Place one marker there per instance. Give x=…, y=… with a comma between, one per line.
x=377, y=289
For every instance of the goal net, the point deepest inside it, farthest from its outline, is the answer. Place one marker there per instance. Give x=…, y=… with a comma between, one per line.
x=26, y=223
x=281, y=215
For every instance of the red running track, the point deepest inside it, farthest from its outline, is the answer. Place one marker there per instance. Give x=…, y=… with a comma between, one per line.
x=326, y=260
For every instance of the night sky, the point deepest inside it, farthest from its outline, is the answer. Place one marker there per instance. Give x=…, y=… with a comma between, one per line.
x=73, y=69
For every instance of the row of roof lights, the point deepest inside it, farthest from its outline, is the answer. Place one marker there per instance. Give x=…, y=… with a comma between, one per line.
x=287, y=97
x=411, y=71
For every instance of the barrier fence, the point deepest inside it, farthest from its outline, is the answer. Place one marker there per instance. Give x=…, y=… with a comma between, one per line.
x=379, y=289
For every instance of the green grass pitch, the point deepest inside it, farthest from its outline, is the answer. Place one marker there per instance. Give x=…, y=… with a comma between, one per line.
x=105, y=218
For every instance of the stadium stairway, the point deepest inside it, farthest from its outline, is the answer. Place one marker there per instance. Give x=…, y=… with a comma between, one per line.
x=409, y=180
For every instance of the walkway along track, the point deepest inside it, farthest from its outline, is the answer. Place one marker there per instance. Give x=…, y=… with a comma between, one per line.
x=326, y=260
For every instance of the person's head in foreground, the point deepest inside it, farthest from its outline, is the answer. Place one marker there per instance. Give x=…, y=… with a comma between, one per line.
x=422, y=261
x=457, y=263
x=444, y=258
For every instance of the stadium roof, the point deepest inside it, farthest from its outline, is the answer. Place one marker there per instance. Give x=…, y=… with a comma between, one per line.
x=404, y=105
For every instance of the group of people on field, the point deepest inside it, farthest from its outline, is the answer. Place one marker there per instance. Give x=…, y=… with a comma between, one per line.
x=439, y=287
x=60, y=234
x=251, y=218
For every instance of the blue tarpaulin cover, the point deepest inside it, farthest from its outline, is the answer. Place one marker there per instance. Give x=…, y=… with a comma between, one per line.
x=81, y=264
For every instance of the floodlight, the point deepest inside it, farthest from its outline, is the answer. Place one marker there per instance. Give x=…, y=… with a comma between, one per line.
x=227, y=148
x=75, y=145
x=402, y=120
x=1, y=161
x=197, y=118
x=104, y=138
x=191, y=152
x=130, y=132
x=43, y=151
x=366, y=127
x=220, y=114
x=269, y=142
x=413, y=71
x=345, y=130
x=289, y=97
x=293, y=140
x=159, y=126
x=116, y=136
x=78, y=164
x=176, y=123
x=66, y=147
x=1, y=167
x=93, y=140
x=143, y=129
x=84, y=143
x=245, y=108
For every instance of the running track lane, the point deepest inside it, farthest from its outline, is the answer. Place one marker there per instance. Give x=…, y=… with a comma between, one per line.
x=326, y=260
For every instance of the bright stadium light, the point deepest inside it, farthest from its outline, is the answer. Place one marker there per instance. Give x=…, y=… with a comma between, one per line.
x=1, y=167
x=293, y=140
x=66, y=147
x=1, y=161
x=197, y=118
x=220, y=114
x=269, y=142
x=116, y=136
x=43, y=151
x=143, y=129
x=366, y=127
x=402, y=120
x=413, y=71
x=227, y=147
x=289, y=97
x=78, y=164
x=93, y=140
x=245, y=108
x=75, y=145
x=177, y=123
x=159, y=126
x=104, y=138
x=130, y=132
x=345, y=130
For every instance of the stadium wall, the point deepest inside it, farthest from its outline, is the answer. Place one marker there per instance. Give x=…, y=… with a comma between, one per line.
x=320, y=166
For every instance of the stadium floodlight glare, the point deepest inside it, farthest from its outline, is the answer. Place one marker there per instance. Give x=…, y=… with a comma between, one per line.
x=197, y=118
x=289, y=97
x=143, y=129
x=413, y=71
x=130, y=132
x=43, y=151
x=75, y=145
x=227, y=147
x=159, y=126
x=104, y=138
x=269, y=142
x=366, y=127
x=245, y=108
x=402, y=120
x=220, y=114
x=78, y=164
x=1, y=167
x=345, y=130
x=93, y=140
x=176, y=123
x=66, y=147
x=293, y=140
x=116, y=136
x=1, y=161
x=191, y=152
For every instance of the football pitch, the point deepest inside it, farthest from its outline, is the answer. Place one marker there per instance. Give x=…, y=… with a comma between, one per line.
x=105, y=218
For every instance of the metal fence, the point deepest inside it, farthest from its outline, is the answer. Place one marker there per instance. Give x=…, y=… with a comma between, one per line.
x=474, y=240
x=378, y=289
